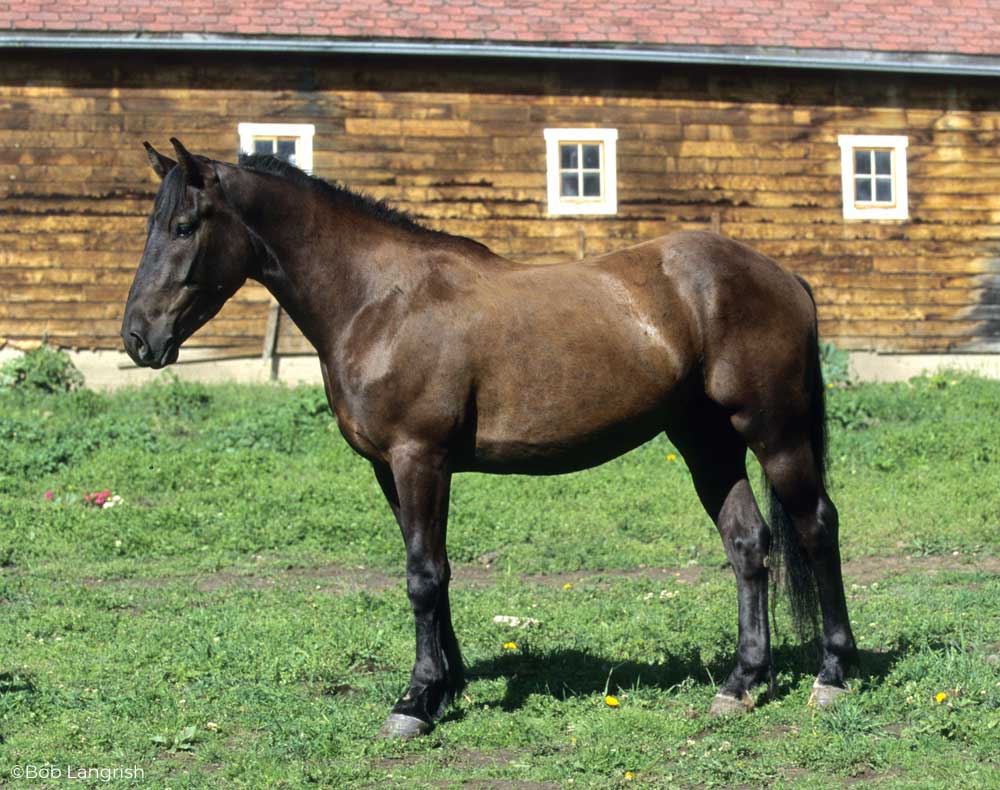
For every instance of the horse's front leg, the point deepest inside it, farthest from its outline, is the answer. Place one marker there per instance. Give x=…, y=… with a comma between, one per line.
x=417, y=484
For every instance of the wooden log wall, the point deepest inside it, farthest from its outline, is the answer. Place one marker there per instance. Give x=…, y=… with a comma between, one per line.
x=459, y=144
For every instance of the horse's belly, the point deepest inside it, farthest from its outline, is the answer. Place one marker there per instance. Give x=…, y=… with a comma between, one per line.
x=513, y=455
x=563, y=429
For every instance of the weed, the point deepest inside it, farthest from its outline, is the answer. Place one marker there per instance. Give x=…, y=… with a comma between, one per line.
x=44, y=369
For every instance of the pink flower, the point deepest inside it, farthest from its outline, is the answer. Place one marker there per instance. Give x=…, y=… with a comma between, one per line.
x=101, y=499
x=49, y=495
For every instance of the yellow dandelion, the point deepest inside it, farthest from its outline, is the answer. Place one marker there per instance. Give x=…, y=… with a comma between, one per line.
x=940, y=697
x=671, y=457
x=567, y=586
x=611, y=702
x=510, y=646
x=629, y=776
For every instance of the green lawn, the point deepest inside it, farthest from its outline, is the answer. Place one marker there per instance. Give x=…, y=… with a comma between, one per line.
x=240, y=619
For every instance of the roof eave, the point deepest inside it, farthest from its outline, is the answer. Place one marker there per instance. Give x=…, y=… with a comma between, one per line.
x=767, y=57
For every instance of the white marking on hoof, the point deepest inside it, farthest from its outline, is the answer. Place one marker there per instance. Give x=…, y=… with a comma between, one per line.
x=823, y=694
x=724, y=704
x=399, y=725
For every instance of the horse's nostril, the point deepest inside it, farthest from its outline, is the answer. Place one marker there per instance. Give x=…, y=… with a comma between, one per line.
x=141, y=349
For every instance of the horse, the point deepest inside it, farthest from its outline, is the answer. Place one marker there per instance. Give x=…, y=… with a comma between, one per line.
x=439, y=357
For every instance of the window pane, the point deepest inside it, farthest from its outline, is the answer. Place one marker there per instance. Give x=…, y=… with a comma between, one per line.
x=264, y=146
x=862, y=190
x=592, y=184
x=286, y=150
x=570, y=185
x=569, y=156
x=883, y=162
x=591, y=157
x=883, y=190
x=862, y=161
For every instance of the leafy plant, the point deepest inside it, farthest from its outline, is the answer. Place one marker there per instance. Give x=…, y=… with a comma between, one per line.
x=44, y=369
x=182, y=741
x=835, y=363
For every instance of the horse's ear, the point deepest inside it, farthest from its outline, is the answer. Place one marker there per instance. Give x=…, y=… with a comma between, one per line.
x=194, y=171
x=161, y=164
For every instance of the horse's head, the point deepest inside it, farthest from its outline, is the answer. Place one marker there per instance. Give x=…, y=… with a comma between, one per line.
x=198, y=253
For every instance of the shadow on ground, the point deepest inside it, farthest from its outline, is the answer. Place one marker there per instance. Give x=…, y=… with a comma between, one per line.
x=565, y=674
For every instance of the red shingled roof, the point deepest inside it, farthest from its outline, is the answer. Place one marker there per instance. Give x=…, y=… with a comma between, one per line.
x=966, y=27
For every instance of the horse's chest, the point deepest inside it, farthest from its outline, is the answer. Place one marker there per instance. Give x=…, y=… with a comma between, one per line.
x=359, y=436
x=353, y=418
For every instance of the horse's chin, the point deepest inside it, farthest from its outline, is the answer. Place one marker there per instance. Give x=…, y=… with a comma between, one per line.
x=168, y=357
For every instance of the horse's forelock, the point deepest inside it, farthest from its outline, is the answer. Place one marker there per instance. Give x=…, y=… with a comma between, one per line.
x=168, y=199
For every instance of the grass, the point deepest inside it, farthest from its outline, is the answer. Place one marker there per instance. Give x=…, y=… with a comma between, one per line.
x=241, y=621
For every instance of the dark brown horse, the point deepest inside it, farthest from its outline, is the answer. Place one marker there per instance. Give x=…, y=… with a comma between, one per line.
x=440, y=357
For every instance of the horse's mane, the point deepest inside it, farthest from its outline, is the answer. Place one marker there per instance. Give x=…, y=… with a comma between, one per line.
x=379, y=209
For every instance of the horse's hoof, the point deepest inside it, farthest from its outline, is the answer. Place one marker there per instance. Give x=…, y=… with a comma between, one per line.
x=724, y=704
x=823, y=695
x=404, y=727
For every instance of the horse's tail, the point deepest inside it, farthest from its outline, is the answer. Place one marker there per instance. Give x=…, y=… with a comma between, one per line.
x=786, y=553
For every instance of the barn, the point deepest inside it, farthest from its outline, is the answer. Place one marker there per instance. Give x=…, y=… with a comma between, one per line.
x=857, y=144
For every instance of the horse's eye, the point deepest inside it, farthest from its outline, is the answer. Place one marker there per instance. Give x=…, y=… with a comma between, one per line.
x=186, y=229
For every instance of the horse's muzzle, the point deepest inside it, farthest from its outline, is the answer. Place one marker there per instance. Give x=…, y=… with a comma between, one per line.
x=149, y=353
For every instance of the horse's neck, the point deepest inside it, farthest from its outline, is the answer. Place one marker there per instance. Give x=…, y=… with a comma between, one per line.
x=322, y=263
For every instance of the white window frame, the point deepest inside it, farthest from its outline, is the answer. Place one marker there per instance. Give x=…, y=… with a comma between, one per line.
x=303, y=132
x=874, y=211
x=607, y=203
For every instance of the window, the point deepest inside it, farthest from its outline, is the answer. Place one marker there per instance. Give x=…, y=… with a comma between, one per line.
x=582, y=172
x=873, y=174
x=289, y=141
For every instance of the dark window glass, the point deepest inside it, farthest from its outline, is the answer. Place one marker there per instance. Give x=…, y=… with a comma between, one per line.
x=570, y=185
x=883, y=190
x=592, y=184
x=569, y=156
x=863, y=191
x=263, y=146
x=883, y=162
x=862, y=161
x=591, y=157
x=286, y=150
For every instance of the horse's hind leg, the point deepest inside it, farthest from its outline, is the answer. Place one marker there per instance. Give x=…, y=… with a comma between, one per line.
x=802, y=500
x=716, y=457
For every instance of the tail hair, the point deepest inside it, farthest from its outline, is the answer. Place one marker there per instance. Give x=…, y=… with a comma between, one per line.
x=786, y=556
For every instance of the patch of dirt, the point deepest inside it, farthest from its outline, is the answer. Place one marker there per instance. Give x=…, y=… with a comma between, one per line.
x=397, y=761
x=471, y=759
x=684, y=574
x=869, y=776
x=339, y=579
x=462, y=759
x=866, y=570
x=141, y=583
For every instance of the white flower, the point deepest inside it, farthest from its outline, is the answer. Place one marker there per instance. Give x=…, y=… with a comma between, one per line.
x=515, y=622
